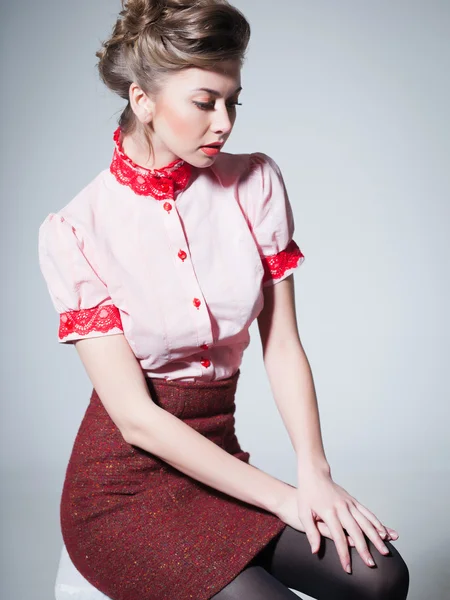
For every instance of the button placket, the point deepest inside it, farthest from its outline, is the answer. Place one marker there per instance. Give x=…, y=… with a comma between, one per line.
x=205, y=362
x=186, y=272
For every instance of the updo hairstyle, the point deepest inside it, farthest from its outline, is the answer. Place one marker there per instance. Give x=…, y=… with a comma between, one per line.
x=152, y=38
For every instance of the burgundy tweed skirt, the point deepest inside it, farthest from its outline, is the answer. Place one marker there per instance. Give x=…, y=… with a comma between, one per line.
x=138, y=529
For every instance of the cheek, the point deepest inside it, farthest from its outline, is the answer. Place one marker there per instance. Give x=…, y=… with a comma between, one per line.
x=182, y=124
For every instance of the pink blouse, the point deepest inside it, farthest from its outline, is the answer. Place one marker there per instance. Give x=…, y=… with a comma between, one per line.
x=175, y=259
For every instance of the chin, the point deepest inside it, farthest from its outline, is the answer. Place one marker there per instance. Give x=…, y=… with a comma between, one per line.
x=201, y=162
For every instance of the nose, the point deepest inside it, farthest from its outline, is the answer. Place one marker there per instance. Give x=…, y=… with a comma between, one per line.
x=221, y=122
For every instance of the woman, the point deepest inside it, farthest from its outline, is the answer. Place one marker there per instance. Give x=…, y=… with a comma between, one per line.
x=157, y=269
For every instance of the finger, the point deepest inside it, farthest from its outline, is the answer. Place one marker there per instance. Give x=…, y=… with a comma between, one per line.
x=369, y=530
x=371, y=517
x=389, y=532
x=392, y=533
x=323, y=528
x=353, y=528
x=311, y=531
x=339, y=538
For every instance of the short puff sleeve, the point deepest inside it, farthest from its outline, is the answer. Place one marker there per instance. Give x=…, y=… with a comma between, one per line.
x=271, y=219
x=79, y=295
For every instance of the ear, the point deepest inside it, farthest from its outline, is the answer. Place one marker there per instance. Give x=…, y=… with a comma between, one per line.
x=141, y=104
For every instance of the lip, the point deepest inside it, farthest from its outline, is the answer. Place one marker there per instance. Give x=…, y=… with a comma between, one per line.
x=213, y=145
x=211, y=150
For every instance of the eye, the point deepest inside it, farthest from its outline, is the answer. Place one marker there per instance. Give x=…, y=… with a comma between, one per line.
x=204, y=105
x=233, y=104
x=210, y=105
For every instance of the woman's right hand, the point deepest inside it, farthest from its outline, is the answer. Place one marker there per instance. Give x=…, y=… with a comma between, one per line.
x=287, y=511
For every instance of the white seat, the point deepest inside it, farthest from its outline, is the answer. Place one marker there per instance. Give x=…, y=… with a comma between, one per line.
x=70, y=583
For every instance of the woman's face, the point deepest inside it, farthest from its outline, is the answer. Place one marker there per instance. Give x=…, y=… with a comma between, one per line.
x=194, y=108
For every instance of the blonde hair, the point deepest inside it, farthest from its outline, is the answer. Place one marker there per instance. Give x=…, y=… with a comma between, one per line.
x=152, y=38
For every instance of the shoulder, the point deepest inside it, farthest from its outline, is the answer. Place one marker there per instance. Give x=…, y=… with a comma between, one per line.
x=80, y=212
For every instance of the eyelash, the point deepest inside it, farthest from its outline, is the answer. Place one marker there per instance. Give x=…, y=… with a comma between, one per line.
x=210, y=105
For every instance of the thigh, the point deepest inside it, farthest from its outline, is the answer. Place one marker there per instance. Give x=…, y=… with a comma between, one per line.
x=288, y=558
x=255, y=583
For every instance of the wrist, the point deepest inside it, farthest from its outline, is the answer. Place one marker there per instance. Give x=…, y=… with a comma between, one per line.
x=279, y=492
x=313, y=466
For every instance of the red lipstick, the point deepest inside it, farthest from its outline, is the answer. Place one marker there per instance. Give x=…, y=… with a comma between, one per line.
x=212, y=149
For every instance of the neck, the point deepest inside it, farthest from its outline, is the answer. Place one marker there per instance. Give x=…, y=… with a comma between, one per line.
x=135, y=146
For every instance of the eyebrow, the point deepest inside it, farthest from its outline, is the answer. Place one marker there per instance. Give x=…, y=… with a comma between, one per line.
x=215, y=92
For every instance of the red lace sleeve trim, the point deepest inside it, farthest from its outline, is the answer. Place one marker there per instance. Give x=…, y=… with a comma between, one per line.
x=277, y=265
x=85, y=321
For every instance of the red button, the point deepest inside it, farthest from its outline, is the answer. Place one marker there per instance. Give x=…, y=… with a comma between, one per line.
x=204, y=347
x=165, y=186
x=182, y=255
x=167, y=206
x=205, y=363
x=196, y=303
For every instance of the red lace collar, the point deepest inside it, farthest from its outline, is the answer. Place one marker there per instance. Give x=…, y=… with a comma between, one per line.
x=162, y=184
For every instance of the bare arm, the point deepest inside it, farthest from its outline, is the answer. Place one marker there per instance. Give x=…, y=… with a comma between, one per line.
x=290, y=375
x=120, y=384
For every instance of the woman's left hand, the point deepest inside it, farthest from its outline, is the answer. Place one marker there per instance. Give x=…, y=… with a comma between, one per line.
x=319, y=498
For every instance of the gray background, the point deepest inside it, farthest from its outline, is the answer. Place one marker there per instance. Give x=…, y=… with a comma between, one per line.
x=351, y=99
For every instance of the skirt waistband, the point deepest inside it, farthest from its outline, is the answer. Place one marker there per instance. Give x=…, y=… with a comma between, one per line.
x=195, y=399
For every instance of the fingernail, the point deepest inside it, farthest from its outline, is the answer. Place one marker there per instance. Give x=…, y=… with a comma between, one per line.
x=385, y=549
x=348, y=568
x=370, y=562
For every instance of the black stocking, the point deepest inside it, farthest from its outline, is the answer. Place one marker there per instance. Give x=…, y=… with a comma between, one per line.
x=287, y=562
x=254, y=583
